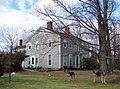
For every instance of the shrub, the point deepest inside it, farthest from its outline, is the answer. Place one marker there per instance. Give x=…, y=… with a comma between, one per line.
x=18, y=57
x=88, y=63
x=1, y=67
x=1, y=71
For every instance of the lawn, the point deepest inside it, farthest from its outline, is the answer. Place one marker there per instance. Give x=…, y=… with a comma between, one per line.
x=58, y=80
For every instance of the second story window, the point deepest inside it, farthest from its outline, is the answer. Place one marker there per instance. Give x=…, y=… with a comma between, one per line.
x=64, y=43
x=49, y=43
x=36, y=45
x=70, y=45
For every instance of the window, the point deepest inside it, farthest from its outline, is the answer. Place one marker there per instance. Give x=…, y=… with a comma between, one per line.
x=29, y=61
x=29, y=46
x=65, y=60
x=32, y=60
x=70, y=45
x=36, y=45
x=49, y=59
x=70, y=60
x=49, y=43
x=36, y=60
x=64, y=43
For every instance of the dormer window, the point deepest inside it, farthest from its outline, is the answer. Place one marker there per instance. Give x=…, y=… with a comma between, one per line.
x=64, y=43
x=29, y=46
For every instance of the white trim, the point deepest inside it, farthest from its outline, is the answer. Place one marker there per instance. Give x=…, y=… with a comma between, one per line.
x=59, y=54
x=48, y=59
x=37, y=56
x=64, y=42
x=31, y=60
x=36, y=45
x=29, y=46
x=64, y=60
x=77, y=66
x=70, y=58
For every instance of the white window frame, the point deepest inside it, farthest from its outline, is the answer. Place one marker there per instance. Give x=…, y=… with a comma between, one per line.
x=32, y=60
x=64, y=60
x=29, y=46
x=77, y=60
x=50, y=59
x=36, y=45
x=36, y=60
x=70, y=59
x=65, y=43
x=50, y=43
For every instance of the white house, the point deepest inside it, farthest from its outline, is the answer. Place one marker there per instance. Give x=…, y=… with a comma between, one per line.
x=52, y=49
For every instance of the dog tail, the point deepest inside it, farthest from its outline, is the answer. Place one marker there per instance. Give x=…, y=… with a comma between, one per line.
x=94, y=71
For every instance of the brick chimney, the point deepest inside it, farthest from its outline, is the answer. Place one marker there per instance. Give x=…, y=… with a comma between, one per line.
x=49, y=25
x=67, y=30
x=21, y=42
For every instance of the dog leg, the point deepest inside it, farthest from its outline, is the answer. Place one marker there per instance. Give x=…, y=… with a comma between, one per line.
x=94, y=79
x=104, y=80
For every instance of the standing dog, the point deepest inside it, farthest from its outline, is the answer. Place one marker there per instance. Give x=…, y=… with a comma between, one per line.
x=70, y=73
x=100, y=74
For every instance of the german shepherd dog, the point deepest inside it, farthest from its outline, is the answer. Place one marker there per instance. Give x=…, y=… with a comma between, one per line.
x=101, y=75
x=70, y=73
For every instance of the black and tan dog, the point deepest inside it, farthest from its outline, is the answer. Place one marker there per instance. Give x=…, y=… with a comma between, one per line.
x=70, y=73
x=101, y=75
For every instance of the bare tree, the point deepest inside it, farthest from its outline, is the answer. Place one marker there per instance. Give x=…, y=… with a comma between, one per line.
x=10, y=39
x=97, y=19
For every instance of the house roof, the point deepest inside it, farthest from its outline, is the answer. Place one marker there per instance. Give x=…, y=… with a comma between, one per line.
x=41, y=29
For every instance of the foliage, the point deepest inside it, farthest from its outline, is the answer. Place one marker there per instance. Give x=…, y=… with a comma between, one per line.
x=1, y=68
x=17, y=59
x=2, y=64
x=16, y=63
x=88, y=63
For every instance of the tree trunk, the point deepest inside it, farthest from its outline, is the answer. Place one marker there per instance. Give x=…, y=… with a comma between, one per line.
x=102, y=58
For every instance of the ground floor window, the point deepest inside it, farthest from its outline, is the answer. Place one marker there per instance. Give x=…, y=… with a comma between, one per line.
x=77, y=61
x=65, y=60
x=49, y=59
x=32, y=60
x=70, y=60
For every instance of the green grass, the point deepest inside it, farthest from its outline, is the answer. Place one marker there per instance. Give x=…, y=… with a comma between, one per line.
x=57, y=80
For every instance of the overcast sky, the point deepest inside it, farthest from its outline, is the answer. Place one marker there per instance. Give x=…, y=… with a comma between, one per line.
x=16, y=13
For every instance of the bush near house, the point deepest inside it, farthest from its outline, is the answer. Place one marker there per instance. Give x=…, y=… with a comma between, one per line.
x=88, y=63
x=117, y=64
x=16, y=62
x=18, y=57
x=1, y=69
x=2, y=64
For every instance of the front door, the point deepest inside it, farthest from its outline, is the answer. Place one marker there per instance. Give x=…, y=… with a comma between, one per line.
x=77, y=61
x=32, y=61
